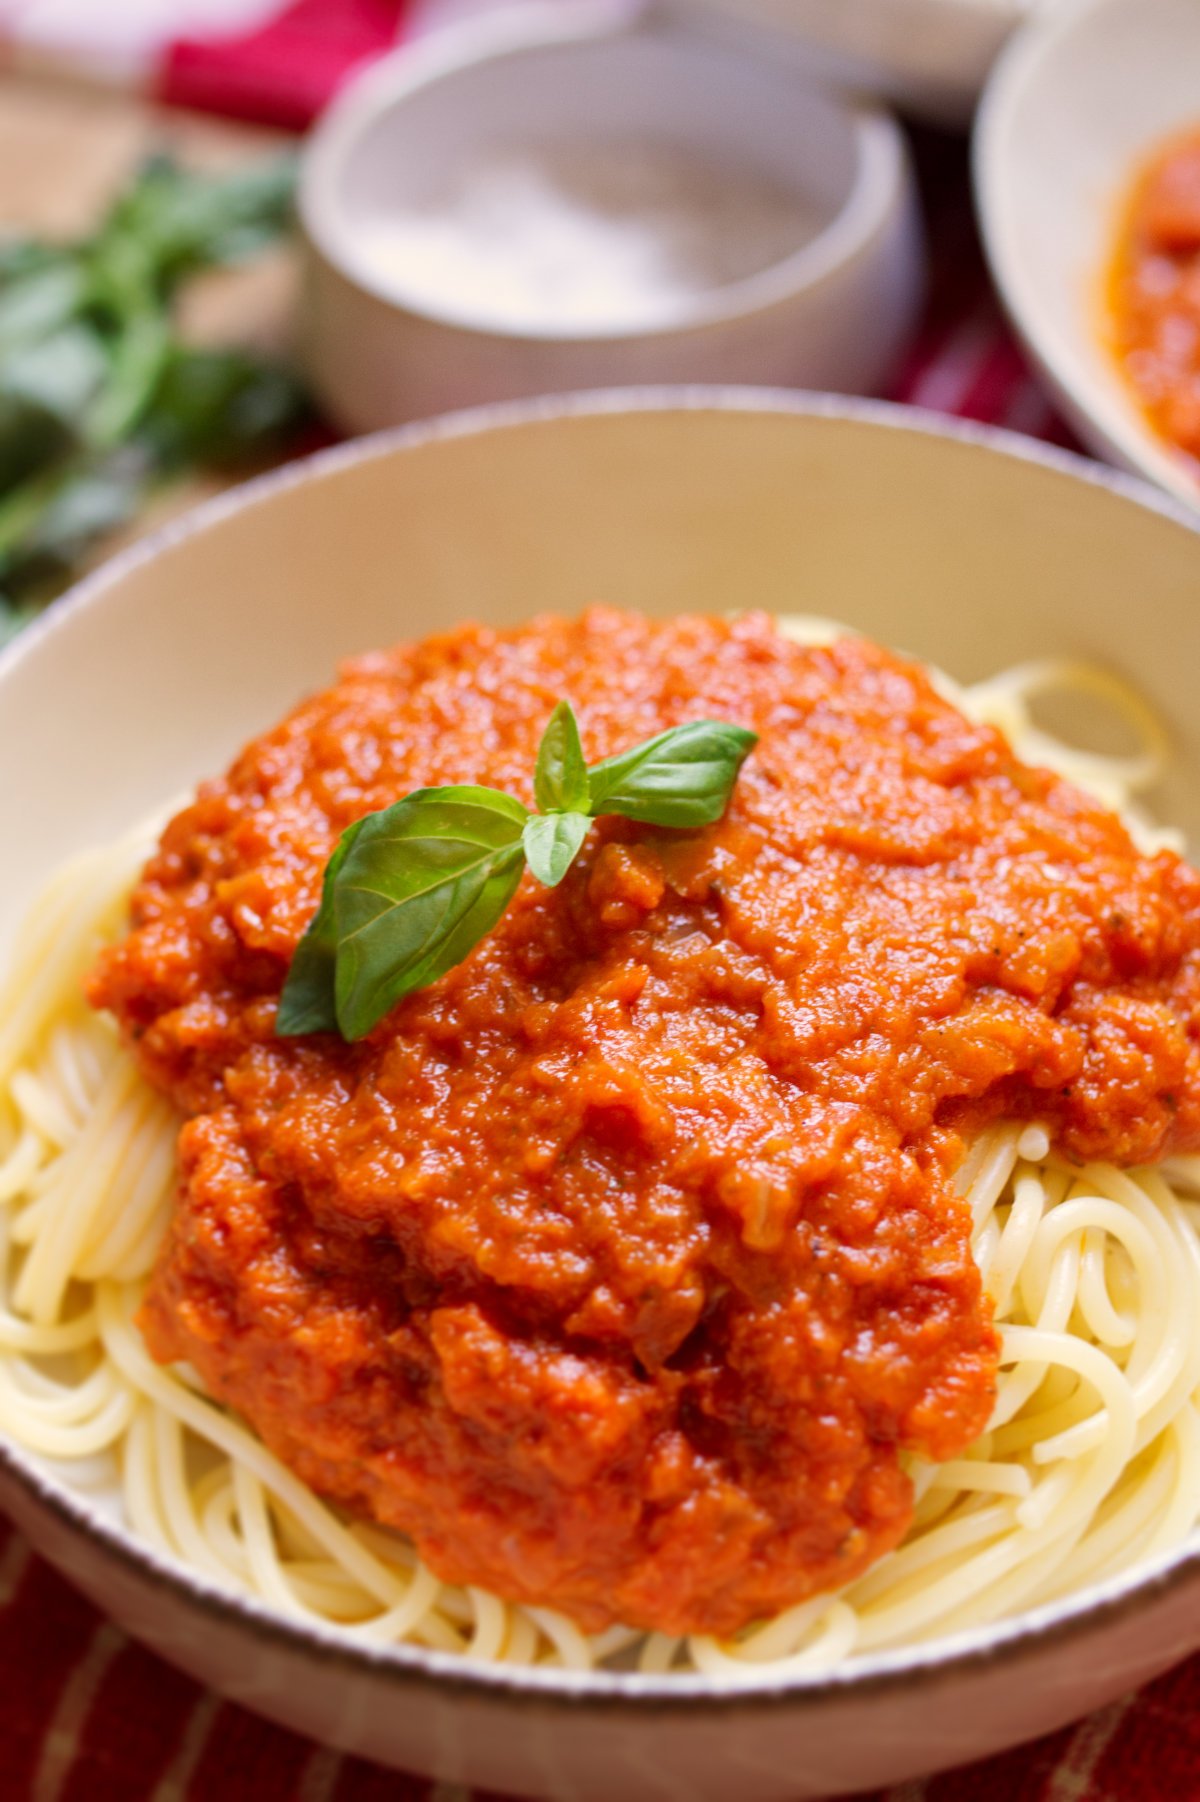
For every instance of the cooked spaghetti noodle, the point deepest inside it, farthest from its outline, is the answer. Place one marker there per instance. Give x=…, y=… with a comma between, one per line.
x=1091, y=1461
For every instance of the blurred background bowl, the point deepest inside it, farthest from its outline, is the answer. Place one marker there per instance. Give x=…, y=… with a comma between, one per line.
x=930, y=56
x=381, y=346
x=1077, y=103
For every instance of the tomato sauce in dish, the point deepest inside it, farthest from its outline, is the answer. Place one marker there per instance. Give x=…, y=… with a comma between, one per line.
x=1155, y=294
x=622, y=1266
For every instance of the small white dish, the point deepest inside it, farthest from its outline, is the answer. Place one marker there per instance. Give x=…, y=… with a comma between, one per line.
x=929, y=56
x=970, y=547
x=1076, y=104
x=383, y=343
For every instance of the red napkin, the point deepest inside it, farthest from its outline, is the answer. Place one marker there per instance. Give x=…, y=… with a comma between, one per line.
x=283, y=72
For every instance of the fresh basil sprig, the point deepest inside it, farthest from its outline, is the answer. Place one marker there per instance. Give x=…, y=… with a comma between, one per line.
x=101, y=399
x=410, y=890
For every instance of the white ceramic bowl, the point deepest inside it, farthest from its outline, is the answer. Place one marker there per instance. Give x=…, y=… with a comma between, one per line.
x=833, y=314
x=930, y=56
x=1075, y=105
x=972, y=548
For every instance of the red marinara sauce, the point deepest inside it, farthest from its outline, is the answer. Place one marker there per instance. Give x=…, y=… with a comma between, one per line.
x=1154, y=293
x=620, y=1267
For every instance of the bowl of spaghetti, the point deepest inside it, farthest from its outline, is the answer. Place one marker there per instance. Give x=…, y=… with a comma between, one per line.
x=718, y=1304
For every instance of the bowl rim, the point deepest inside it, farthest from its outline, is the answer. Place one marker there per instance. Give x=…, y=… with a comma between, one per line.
x=911, y=79
x=1114, y=432
x=877, y=189
x=938, y=1660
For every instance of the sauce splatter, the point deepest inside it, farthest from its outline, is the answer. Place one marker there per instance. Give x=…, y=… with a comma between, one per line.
x=621, y=1267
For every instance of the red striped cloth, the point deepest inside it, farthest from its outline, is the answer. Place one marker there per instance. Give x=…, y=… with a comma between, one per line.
x=88, y=1716
x=283, y=72
x=963, y=359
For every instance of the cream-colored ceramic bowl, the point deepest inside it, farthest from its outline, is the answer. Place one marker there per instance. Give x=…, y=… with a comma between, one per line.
x=930, y=56
x=386, y=336
x=970, y=548
x=1074, y=107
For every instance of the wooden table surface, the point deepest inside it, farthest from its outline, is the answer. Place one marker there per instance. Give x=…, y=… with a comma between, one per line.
x=65, y=151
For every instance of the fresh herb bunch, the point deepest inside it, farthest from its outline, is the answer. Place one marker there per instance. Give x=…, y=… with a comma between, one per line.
x=410, y=890
x=99, y=398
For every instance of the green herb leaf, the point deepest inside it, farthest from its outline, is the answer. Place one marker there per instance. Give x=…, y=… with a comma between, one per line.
x=61, y=372
x=560, y=781
x=138, y=358
x=46, y=387
x=222, y=407
x=422, y=883
x=173, y=220
x=552, y=842
x=32, y=437
x=308, y=1002
x=683, y=777
x=409, y=891
x=100, y=398
x=34, y=305
x=48, y=520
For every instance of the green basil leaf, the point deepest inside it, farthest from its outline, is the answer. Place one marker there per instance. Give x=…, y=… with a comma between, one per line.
x=307, y=1003
x=172, y=221
x=422, y=883
x=34, y=306
x=683, y=777
x=138, y=357
x=560, y=780
x=222, y=406
x=91, y=496
x=552, y=842
x=411, y=890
